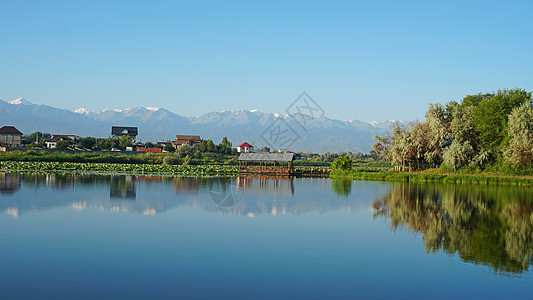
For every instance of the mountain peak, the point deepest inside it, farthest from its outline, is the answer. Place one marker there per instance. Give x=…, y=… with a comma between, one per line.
x=20, y=101
x=82, y=111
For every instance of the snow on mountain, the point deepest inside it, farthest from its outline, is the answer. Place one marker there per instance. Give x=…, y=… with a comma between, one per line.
x=20, y=101
x=157, y=124
x=82, y=111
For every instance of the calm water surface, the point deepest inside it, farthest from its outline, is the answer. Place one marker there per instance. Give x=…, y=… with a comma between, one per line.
x=65, y=236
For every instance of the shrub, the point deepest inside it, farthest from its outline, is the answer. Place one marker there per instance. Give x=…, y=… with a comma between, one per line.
x=342, y=163
x=170, y=160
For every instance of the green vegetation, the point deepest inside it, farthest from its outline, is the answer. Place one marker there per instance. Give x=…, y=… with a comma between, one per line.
x=489, y=133
x=342, y=163
x=111, y=168
x=432, y=177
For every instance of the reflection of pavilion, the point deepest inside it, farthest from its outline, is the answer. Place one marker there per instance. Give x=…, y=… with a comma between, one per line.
x=122, y=187
x=187, y=185
x=277, y=184
x=9, y=183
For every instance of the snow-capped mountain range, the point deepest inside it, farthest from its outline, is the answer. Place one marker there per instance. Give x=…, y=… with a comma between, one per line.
x=158, y=124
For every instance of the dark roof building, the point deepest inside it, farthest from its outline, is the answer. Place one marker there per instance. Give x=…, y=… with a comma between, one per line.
x=62, y=137
x=10, y=130
x=267, y=157
x=10, y=137
x=122, y=130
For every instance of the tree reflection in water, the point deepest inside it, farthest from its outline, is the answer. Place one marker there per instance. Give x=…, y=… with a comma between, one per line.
x=488, y=225
x=341, y=187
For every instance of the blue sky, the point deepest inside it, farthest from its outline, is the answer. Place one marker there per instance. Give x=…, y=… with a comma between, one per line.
x=374, y=60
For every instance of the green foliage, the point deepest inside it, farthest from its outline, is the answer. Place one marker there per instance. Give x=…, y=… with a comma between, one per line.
x=87, y=142
x=63, y=145
x=169, y=148
x=458, y=155
x=491, y=114
x=382, y=147
x=107, y=168
x=124, y=142
x=342, y=163
x=36, y=137
x=171, y=160
x=520, y=149
x=475, y=133
x=437, y=121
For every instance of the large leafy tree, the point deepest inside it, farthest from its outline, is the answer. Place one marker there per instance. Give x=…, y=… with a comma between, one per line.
x=437, y=122
x=490, y=117
x=520, y=149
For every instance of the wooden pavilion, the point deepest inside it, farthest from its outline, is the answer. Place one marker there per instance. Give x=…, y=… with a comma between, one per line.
x=266, y=163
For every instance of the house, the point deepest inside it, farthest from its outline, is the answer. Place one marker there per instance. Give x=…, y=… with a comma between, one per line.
x=118, y=131
x=191, y=140
x=10, y=137
x=245, y=148
x=60, y=137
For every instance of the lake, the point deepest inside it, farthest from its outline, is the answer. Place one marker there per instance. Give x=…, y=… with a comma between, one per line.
x=94, y=236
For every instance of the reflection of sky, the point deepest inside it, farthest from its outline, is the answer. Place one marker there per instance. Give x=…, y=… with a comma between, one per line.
x=191, y=248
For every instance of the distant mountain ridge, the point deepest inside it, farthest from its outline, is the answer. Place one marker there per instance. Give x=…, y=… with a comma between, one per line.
x=157, y=124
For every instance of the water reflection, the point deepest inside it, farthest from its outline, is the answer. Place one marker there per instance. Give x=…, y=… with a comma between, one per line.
x=122, y=187
x=150, y=195
x=341, y=187
x=488, y=225
x=9, y=183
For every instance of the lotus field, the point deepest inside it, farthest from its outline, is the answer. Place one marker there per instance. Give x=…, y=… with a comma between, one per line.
x=106, y=168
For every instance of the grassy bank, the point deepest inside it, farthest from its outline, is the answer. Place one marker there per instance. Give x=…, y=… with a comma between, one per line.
x=433, y=177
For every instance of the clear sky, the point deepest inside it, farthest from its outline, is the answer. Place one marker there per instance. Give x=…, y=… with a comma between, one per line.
x=373, y=60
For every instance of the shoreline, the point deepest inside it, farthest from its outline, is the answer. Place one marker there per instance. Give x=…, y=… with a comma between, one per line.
x=76, y=168
x=420, y=176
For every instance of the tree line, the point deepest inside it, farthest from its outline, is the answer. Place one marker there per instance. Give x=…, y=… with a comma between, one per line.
x=482, y=131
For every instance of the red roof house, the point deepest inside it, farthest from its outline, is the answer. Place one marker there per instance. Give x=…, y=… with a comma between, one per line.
x=245, y=148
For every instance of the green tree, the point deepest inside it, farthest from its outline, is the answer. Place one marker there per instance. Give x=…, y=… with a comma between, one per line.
x=520, y=148
x=36, y=137
x=87, y=142
x=264, y=149
x=124, y=141
x=382, y=147
x=419, y=144
x=401, y=146
x=169, y=148
x=458, y=154
x=437, y=122
x=342, y=163
x=490, y=117
x=63, y=145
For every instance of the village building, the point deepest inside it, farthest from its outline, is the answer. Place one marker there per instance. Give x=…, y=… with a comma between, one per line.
x=10, y=137
x=190, y=140
x=52, y=143
x=245, y=148
x=119, y=131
